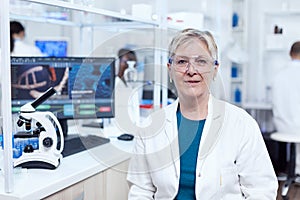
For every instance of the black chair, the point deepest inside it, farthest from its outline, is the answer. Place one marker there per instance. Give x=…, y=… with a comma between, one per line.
x=292, y=139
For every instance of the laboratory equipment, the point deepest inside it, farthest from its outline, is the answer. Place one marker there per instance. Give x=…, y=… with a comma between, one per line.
x=42, y=126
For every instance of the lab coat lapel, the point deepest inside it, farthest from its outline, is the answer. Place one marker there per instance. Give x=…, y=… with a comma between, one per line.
x=217, y=119
x=164, y=150
x=171, y=132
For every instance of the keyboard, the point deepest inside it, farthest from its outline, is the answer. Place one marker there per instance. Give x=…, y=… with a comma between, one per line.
x=75, y=143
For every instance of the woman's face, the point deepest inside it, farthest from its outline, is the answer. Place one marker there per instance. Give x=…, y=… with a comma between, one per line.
x=192, y=69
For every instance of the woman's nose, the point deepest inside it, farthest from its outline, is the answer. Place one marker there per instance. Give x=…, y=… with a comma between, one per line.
x=190, y=68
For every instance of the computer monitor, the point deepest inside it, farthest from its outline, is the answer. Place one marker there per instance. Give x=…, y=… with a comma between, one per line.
x=53, y=47
x=84, y=85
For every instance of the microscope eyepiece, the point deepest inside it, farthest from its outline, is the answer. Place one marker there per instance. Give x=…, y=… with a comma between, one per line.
x=43, y=98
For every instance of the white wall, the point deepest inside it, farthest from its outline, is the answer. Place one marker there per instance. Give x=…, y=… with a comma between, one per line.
x=263, y=65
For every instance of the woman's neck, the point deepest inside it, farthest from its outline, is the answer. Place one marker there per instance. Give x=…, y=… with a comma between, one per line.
x=195, y=108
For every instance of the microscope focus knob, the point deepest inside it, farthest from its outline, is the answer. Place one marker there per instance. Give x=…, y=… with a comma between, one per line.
x=48, y=142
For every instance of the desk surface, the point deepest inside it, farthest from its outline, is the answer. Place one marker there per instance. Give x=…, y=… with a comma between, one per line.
x=34, y=184
x=257, y=105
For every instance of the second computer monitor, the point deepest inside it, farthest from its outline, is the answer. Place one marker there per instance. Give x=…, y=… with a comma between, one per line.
x=53, y=47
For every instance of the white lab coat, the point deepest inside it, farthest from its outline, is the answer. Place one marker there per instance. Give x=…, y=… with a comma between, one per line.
x=286, y=98
x=286, y=102
x=23, y=49
x=233, y=162
x=127, y=106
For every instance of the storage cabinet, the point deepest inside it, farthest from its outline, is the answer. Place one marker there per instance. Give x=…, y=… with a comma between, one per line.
x=237, y=53
x=279, y=32
x=116, y=186
x=108, y=185
x=90, y=188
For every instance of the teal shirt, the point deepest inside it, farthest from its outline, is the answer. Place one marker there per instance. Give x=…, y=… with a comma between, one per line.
x=189, y=136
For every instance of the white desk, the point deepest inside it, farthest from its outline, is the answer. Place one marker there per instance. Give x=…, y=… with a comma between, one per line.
x=34, y=184
x=257, y=105
x=262, y=113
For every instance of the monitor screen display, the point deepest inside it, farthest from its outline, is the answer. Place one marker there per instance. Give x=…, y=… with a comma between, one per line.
x=53, y=48
x=84, y=86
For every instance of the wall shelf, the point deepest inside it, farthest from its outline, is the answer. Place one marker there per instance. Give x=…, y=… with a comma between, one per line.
x=104, y=25
x=238, y=53
x=280, y=13
x=236, y=80
x=93, y=10
x=44, y=20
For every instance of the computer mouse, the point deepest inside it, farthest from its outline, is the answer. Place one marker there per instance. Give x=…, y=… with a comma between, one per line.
x=126, y=137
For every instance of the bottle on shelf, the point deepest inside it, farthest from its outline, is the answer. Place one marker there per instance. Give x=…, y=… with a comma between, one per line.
x=235, y=20
x=237, y=95
x=234, y=70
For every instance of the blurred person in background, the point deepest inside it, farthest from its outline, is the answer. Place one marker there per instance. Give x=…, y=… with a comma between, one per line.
x=127, y=102
x=286, y=102
x=124, y=56
x=18, y=47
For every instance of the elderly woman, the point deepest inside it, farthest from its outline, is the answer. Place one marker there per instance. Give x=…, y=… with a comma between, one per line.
x=199, y=147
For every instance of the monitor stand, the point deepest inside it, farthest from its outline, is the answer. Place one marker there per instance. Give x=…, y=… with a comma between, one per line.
x=97, y=123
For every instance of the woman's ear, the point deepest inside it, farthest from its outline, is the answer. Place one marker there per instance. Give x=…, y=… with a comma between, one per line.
x=169, y=71
x=169, y=66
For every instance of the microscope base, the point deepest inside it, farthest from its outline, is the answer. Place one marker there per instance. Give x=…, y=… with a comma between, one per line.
x=37, y=160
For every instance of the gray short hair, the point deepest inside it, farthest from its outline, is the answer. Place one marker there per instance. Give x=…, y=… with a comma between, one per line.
x=188, y=34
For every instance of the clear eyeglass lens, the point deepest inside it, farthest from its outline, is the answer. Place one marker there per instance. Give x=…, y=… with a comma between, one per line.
x=199, y=63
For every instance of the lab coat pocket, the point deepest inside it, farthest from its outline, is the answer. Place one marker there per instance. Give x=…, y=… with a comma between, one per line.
x=229, y=183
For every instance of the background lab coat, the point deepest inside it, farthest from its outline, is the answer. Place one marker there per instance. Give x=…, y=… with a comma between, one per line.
x=232, y=158
x=23, y=49
x=286, y=98
x=127, y=105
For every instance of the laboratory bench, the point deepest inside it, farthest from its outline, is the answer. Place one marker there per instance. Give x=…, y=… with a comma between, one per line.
x=95, y=173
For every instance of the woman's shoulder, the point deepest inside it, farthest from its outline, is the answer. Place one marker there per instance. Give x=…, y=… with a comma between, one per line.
x=234, y=111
